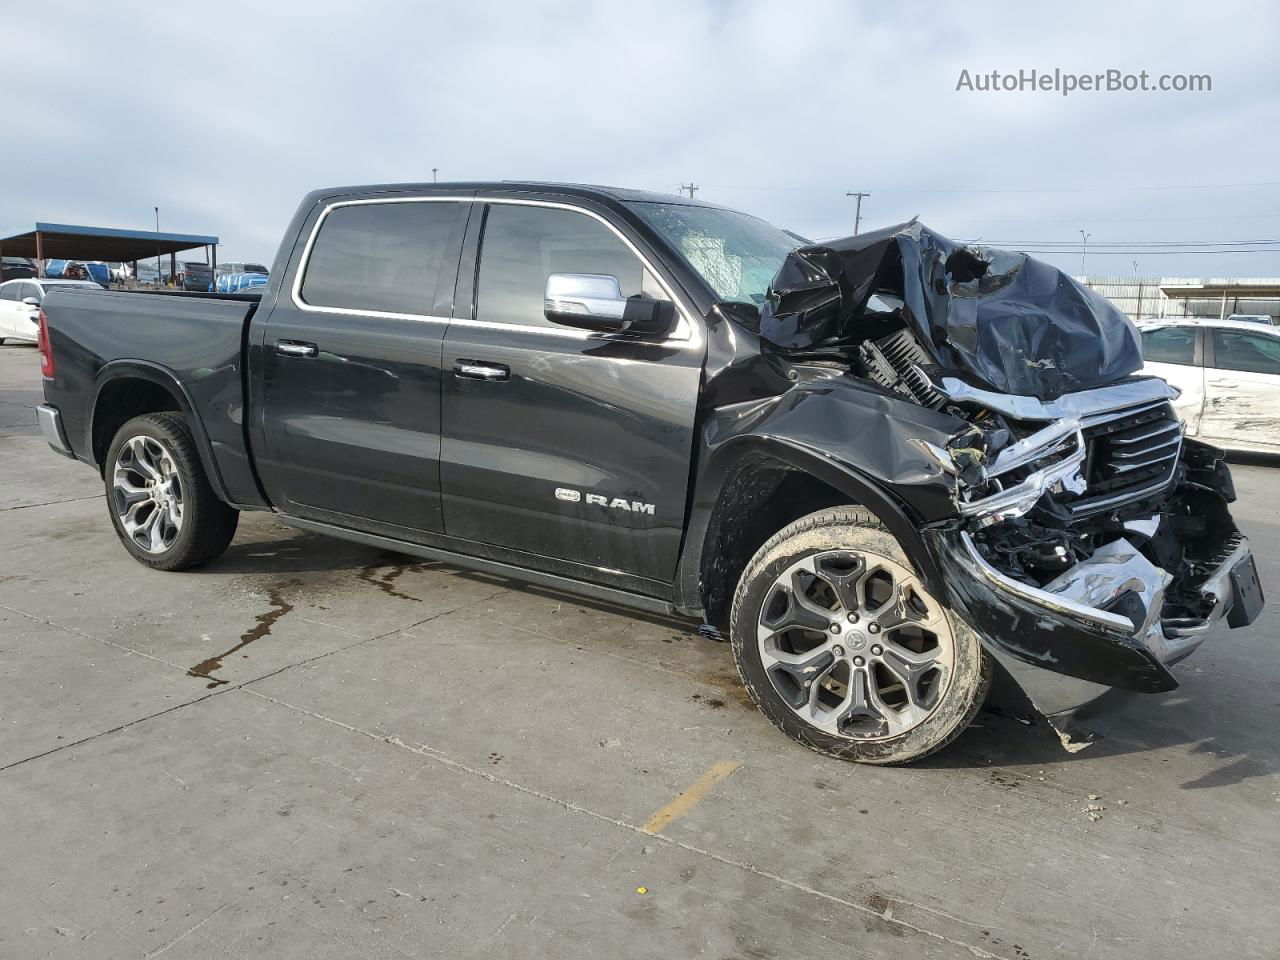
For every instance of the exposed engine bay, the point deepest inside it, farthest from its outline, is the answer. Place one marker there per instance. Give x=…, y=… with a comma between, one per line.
x=1073, y=486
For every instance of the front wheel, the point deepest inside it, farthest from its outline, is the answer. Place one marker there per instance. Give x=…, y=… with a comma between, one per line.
x=162, y=506
x=844, y=649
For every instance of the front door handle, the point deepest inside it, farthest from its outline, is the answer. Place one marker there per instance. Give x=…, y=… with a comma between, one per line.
x=475, y=370
x=296, y=348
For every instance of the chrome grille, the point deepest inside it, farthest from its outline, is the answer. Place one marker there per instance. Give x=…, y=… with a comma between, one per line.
x=1132, y=454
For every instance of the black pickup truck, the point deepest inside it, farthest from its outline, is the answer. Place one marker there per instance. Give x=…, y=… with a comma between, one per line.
x=885, y=466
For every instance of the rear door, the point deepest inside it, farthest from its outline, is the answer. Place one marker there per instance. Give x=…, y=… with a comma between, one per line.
x=350, y=359
x=1242, y=389
x=569, y=447
x=1175, y=353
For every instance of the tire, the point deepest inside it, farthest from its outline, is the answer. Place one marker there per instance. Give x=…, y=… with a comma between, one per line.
x=901, y=678
x=159, y=498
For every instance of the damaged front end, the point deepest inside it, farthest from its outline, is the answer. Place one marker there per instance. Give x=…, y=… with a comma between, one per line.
x=1091, y=546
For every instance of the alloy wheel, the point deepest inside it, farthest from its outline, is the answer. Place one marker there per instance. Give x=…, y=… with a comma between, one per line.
x=148, y=493
x=855, y=645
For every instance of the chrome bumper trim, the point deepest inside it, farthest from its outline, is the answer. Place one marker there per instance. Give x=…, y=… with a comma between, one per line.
x=1118, y=568
x=50, y=420
x=1085, y=403
x=1113, y=622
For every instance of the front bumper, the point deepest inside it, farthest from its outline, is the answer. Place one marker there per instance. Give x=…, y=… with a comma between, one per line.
x=1098, y=627
x=50, y=419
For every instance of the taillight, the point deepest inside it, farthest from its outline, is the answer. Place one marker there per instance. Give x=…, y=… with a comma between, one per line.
x=46, y=354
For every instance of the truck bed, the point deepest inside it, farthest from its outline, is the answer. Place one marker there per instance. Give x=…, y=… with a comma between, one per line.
x=189, y=343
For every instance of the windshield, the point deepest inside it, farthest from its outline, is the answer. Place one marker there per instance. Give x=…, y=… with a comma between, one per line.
x=737, y=255
x=254, y=268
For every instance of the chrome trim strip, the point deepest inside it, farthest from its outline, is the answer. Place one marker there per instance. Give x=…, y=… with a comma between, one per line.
x=1086, y=507
x=1018, y=499
x=50, y=419
x=1042, y=443
x=687, y=335
x=1100, y=618
x=1164, y=427
x=1122, y=468
x=1084, y=403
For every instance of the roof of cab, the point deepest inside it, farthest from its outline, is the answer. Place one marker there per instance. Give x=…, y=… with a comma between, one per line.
x=584, y=190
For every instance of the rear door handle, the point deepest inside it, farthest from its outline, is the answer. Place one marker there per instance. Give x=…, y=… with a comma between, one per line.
x=1223, y=383
x=296, y=348
x=475, y=370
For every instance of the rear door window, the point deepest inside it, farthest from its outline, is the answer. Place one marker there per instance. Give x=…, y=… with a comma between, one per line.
x=383, y=257
x=1169, y=345
x=9, y=291
x=1247, y=352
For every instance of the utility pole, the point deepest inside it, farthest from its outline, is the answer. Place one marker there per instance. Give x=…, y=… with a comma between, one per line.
x=857, y=211
x=157, y=246
x=691, y=187
x=1084, y=249
x=434, y=171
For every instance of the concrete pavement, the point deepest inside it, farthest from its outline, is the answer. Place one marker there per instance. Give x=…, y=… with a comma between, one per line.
x=313, y=749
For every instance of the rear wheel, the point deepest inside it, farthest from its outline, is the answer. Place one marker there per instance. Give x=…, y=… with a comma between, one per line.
x=844, y=649
x=164, y=511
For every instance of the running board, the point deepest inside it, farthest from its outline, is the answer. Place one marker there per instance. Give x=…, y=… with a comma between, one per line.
x=625, y=598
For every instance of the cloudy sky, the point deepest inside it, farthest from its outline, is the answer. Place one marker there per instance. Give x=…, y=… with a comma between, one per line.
x=224, y=115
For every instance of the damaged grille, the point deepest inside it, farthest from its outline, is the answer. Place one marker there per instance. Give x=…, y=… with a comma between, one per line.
x=1131, y=455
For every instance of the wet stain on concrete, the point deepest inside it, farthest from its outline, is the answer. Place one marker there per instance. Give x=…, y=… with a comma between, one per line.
x=878, y=902
x=715, y=703
x=386, y=581
x=262, y=628
x=732, y=687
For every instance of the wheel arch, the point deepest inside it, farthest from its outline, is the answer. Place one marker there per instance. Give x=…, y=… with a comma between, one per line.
x=124, y=389
x=754, y=486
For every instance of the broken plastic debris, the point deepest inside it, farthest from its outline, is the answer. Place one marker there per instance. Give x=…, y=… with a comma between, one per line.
x=642, y=890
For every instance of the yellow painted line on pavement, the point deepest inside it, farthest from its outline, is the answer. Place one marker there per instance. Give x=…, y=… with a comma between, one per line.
x=691, y=795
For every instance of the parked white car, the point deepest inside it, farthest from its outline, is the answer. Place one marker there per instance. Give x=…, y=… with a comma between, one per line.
x=1229, y=375
x=20, y=305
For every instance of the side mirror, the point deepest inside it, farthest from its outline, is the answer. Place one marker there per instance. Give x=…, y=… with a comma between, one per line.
x=594, y=301
x=31, y=301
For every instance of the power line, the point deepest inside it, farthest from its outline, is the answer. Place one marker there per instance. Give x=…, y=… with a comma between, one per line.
x=1134, y=243
x=1139, y=253
x=1106, y=189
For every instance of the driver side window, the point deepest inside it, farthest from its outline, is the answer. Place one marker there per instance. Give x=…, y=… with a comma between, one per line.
x=523, y=245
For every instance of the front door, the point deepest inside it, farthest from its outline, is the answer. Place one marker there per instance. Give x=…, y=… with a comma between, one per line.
x=1242, y=390
x=351, y=367
x=559, y=443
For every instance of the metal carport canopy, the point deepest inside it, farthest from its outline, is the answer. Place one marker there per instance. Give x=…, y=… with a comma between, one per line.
x=64, y=241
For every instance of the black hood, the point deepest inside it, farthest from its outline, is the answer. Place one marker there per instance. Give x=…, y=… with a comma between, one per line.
x=1006, y=321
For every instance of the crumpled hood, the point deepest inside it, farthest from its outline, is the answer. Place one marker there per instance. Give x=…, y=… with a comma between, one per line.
x=1016, y=324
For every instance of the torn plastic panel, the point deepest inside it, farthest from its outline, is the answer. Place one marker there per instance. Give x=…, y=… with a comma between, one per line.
x=1127, y=596
x=1015, y=324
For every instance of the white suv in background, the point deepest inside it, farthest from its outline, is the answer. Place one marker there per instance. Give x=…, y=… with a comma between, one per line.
x=1229, y=375
x=20, y=305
